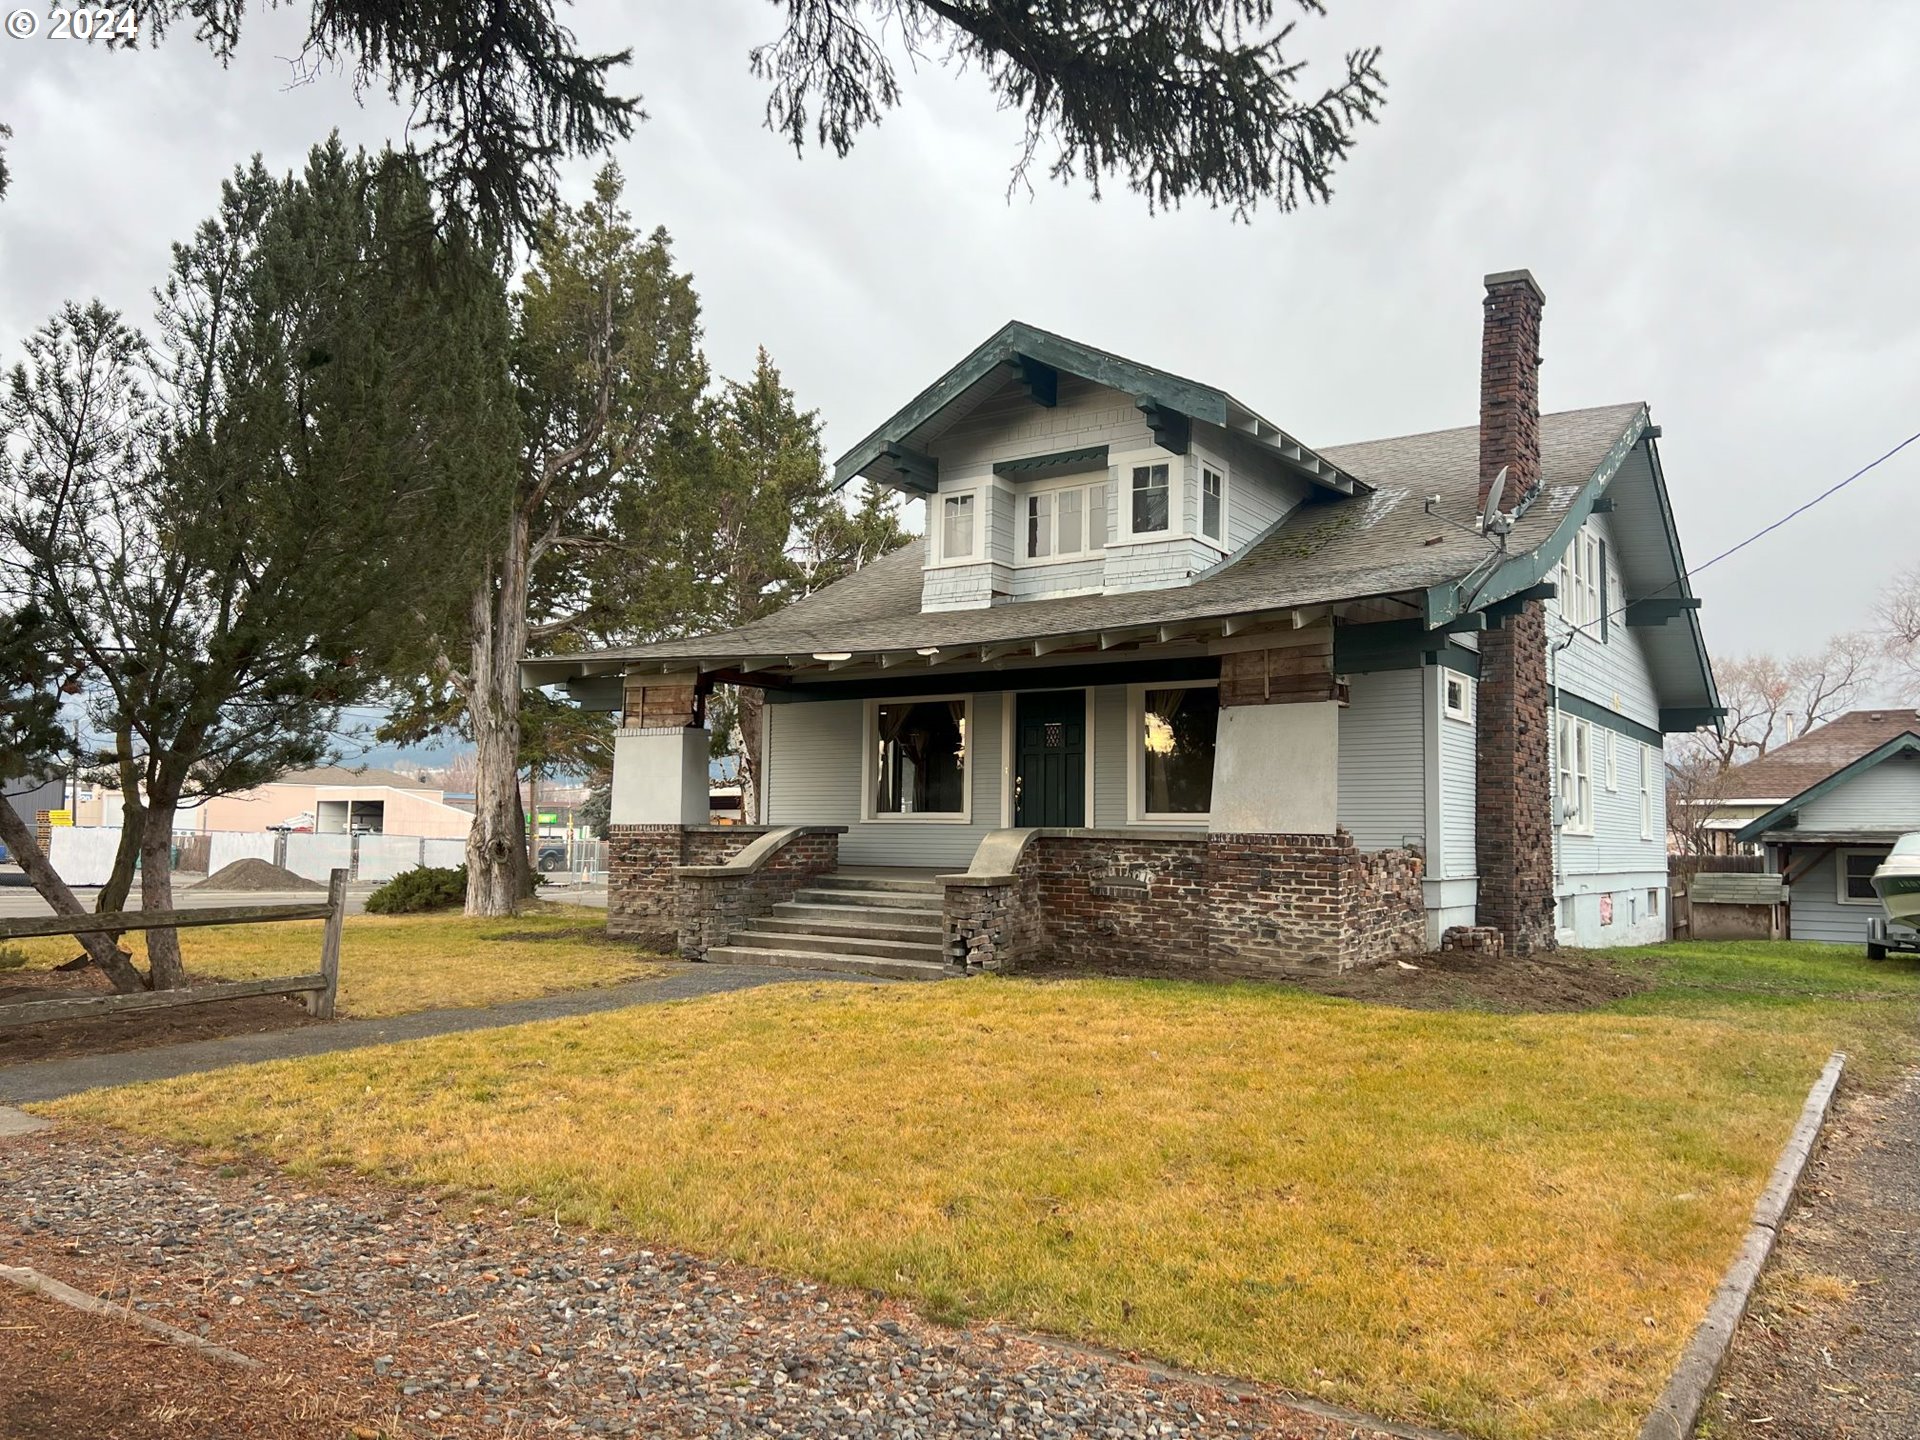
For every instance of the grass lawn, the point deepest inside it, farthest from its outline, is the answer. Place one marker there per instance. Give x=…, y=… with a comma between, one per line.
x=395, y=964
x=1506, y=1224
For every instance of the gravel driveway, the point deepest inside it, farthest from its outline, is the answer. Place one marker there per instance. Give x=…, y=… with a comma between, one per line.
x=490, y=1321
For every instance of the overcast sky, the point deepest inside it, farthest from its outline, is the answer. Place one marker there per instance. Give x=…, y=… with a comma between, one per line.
x=1720, y=200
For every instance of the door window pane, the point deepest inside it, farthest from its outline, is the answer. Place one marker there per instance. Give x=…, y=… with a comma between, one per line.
x=956, y=539
x=1039, y=526
x=920, y=754
x=1149, y=499
x=1177, y=737
x=1213, y=493
x=1069, y=518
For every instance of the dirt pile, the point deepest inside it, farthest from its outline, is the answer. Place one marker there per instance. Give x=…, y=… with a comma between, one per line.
x=253, y=873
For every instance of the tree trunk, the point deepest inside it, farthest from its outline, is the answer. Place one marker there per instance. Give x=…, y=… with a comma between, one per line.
x=156, y=894
x=497, y=870
x=20, y=840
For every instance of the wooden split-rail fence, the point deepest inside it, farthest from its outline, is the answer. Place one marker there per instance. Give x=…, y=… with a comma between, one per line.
x=318, y=990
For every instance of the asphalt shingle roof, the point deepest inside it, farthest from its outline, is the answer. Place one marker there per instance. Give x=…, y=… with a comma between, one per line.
x=1335, y=549
x=1783, y=773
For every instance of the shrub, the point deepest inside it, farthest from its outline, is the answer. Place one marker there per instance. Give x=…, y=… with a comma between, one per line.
x=413, y=891
x=12, y=957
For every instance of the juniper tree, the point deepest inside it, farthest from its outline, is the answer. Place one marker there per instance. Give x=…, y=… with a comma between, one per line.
x=234, y=525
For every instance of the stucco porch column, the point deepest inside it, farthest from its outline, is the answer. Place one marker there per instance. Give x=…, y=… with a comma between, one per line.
x=659, y=790
x=1276, y=760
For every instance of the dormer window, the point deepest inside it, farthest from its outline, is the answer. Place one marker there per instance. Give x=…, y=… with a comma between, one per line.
x=1065, y=522
x=1213, y=504
x=1151, y=510
x=957, y=527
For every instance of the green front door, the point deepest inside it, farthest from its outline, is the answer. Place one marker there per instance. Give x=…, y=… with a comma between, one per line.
x=1050, y=750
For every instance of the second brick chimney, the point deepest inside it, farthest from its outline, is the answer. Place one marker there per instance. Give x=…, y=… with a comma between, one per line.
x=1513, y=800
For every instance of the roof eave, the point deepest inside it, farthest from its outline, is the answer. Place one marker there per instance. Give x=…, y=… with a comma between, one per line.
x=1759, y=825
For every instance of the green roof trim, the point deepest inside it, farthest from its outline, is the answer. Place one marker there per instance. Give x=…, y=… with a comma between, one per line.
x=1060, y=462
x=1753, y=830
x=1597, y=714
x=1026, y=353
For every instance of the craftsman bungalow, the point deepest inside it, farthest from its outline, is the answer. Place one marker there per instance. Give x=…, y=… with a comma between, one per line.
x=1164, y=685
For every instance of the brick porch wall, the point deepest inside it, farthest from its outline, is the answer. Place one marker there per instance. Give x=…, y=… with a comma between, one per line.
x=709, y=908
x=1220, y=905
x=640, y=861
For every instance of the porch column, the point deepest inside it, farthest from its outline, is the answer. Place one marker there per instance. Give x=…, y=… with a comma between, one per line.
x=659, y=790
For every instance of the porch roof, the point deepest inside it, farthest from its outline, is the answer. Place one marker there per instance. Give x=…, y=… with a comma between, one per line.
x=1339, y=549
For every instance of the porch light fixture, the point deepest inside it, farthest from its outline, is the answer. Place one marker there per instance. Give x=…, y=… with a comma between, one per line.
x=833, y=655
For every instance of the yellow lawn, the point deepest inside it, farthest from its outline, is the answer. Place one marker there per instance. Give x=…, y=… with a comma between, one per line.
x=395, y=964
x=1507, y=1224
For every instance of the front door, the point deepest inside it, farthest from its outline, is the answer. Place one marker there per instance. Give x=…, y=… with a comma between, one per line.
x=1050, y=755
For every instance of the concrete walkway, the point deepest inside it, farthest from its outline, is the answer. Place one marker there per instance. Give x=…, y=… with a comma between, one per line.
x=50, y=1079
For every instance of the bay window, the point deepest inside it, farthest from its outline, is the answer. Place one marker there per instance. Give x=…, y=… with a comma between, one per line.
x=1213, y=504
x=1152, y=510
x=957, y=527
x=1064, y=523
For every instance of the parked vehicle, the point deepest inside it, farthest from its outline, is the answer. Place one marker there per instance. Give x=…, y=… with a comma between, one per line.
x=1897, y=883
x=550, y=858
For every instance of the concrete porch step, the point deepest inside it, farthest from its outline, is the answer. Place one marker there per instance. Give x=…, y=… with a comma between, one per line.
x=814, y=960
x=929, y=951
x=869, y=899
x=862, y=927
x=858, y=914
x=841, y=880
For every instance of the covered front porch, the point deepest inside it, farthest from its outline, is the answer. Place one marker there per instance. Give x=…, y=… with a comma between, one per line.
x=1175, y=809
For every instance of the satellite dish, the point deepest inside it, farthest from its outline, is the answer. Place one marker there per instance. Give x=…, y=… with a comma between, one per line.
x=1492, y=522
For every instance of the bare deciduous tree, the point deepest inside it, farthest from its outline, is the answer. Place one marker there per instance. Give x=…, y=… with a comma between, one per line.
x=1771, y=700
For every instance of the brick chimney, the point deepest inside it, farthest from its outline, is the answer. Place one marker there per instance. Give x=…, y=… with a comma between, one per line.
x=1513, y=809
x=1510, y=385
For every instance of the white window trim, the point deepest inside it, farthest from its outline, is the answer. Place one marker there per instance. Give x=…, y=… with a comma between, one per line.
x=1651, y=760
x=1121, y=473
x=1579, y=580
x=1840, y=874
x=937, y=505
x=1613, y=762
x=1565, y=756
x=1137, y=758
x=1206, y=463
x=1082, y=482
x=1464, y=711
x=1010, y=766
x=870, y=744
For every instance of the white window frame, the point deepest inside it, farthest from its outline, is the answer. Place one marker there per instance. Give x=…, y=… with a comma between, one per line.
x=1573, y=742
x=1200, y=502
x=1875, y=853
x=1464, y=710
x=938, y=505
x=869, y=751
x=1125, y=465
x=1579, y=580
x=1088, y=550
x=1136, y=742
x=1613, y=762
x=1650, y=761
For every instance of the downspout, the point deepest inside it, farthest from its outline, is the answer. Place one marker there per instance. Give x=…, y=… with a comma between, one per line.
x=1553, y=739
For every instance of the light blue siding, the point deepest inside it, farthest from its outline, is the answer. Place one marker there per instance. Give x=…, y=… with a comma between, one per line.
x=1459, y=765
x=1883, y=800
x=1382, y=800
x=1611, y=672
x=1110, y=753
x=1816, y=913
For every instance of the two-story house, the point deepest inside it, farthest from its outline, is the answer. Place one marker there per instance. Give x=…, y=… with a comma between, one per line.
x=1161, y=682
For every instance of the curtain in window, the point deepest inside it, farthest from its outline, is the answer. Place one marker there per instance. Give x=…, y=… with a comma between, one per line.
x=1178, y=728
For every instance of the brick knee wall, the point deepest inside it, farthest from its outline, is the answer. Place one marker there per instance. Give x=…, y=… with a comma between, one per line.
x=708, y=909
x=640, y=882
x=1220, y=905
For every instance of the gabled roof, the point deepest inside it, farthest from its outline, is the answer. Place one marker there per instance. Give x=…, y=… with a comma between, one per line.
x=1337, y=549
x=1782, y=773
x=892, y=454
x=1906, y=743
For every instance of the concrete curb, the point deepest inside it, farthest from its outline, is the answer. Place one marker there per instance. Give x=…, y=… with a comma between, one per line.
x=29, y=1279
x=1678, y=1409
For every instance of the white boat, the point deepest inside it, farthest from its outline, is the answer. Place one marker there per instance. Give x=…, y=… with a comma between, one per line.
x=1897, y=882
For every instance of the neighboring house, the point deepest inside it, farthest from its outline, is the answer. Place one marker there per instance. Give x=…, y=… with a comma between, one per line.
x=32, y=798
x=1170, y=687
x=330, y=800
x=1831, y=804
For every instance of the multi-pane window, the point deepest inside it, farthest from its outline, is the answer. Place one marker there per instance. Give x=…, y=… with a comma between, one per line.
x=1176, y=740
x=1613, y=762
x=919, y=750
x=1213, y=503
x=1066, y=523
x=1151, y=508
x=1579, y=580
x=1574, y=762
x=956, y=527
x=1856, y=876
